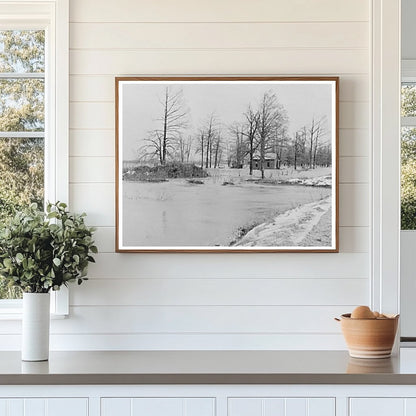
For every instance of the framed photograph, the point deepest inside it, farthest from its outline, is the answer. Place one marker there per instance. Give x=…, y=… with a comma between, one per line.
x=227, y=164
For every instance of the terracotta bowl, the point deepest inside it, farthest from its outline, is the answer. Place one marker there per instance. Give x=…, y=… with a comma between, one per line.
x=369, y=338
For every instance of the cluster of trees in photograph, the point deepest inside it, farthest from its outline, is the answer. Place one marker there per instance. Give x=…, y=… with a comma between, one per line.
x=260, y=136
x=21, y=110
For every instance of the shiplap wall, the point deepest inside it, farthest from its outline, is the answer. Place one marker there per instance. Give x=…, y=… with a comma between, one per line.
x=214, y=301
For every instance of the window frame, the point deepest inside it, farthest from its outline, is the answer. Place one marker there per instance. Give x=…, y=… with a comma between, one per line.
x=53, y=17
x=408, y=76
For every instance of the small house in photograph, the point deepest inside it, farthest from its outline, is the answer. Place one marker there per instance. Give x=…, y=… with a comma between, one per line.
x=269, y=162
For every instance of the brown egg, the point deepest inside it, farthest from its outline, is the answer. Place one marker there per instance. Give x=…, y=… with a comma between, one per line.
x=362, y=312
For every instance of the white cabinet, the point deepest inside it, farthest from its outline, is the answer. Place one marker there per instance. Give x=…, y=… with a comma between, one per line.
x=156, y=406
x=281, y=407
x=44, y=407
x=383, y=406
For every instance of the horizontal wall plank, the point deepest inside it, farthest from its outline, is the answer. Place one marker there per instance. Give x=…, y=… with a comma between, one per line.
x=91, y=169
x=354, y=170
x=354, y=205
x=230, y=266
x=98, y=88
x=96, y=143
x=354, y=115
x=200, y=319
x=146, y=342
x=218, y=35
x=354, y=142
x=101, y=115
x=352, y=239
x=92, y=115
x=96, y=199
x=217, y=292
x=223, y=62
x=104, y=238
x=218, y=11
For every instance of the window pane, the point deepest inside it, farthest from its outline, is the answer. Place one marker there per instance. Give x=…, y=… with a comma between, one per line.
x=22, y=105
x=22, y=109
x=22, y=51
x=21, y=182
x=408, y=178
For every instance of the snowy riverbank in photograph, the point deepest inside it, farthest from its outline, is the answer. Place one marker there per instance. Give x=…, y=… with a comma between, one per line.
x=230, y=208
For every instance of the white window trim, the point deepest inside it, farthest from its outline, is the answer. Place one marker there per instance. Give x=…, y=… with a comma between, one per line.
x=385, y=207
x=53, y=15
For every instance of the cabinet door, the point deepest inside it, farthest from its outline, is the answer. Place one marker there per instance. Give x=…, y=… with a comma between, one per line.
x=44, y=407
x=154, y=406
x=377, y=407
x=392, y=406
x=272, y=406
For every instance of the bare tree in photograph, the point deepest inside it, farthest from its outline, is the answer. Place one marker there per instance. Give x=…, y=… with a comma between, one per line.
x=315, y=133
x=281, y=140
x=201, y=145
x=217, y=149
x=299, y=146
x=239, y=147
x=162, y=141
x=271, y=113
x=250, y=131
x=320, y=133
x=184, y=147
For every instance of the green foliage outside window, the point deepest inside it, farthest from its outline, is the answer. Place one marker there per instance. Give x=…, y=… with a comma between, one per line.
x=21, y=110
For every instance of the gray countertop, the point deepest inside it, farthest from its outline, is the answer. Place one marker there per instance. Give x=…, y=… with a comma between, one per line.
x=208, y=367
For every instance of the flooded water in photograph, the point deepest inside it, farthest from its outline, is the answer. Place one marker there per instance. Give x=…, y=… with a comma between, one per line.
x=179, y=213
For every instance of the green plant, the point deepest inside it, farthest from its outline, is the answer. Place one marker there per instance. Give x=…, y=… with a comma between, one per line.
x=43, y=251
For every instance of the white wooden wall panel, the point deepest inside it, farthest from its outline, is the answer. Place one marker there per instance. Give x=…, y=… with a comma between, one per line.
x=183, y=341
x=200, y=320
x=343, y=265
x=219, y=291
x=218, y=35
x=213, y=301
x=354, y=142
x=92, y=169
x=95, y=143
x=218, y=11
x=352, y=240
x=353, y=170
x=296, y=61
x=97, y=88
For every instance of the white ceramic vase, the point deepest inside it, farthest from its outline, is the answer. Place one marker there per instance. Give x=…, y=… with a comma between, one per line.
x=35, y=326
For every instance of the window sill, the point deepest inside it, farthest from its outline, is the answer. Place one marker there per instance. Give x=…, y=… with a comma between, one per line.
x=17, y=316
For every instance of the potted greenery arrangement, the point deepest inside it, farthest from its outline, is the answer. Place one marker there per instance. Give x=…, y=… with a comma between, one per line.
x=40, y=252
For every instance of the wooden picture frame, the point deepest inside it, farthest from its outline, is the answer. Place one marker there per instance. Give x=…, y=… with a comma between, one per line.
x=227, y=164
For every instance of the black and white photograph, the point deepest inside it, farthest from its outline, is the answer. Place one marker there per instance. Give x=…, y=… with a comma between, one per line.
x=227, y=164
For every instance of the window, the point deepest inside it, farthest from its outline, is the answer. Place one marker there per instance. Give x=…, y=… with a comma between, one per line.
x=408, y=149
x=33, y=112
x=22, y=124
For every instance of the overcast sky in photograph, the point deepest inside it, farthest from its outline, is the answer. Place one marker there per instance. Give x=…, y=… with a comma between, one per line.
x=141, y=106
